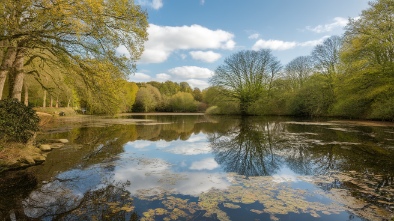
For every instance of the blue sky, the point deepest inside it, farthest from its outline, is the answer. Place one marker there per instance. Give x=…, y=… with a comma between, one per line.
x=189, y=39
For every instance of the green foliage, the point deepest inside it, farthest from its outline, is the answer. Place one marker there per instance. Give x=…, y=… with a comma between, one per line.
x=17, y=122
x=148, y=98
x=315, y=98
x=246, y=75
x=182, y=102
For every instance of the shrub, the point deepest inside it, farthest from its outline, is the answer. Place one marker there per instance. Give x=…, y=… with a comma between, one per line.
x=17, y=122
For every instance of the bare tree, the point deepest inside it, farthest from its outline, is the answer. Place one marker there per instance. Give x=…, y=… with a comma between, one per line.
x=298, y=70
x=246, y=75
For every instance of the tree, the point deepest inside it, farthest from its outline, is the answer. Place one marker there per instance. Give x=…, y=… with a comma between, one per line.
x=367, y=89
x=183, y=102
x=326, y=55
x=71, y=33
x=298, y=70
x=246, y=75
x=147, y=99
x=197, y=94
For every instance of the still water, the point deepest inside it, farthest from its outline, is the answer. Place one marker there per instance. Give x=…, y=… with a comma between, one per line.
x=196, y=167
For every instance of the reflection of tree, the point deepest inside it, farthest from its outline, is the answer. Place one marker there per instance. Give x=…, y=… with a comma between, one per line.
x=14, y=186
x=247, y=148
x=58, y=202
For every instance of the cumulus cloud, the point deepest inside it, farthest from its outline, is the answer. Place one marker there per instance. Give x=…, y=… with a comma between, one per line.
x=197, y=83
x=273, y=45
x=254, y=36
x=338, y=22
x=313, y=42
x=156, y=4
x=206, y=56
x=191, y=72
x=278, y=45
x=138, y=77
x=164, y=40
x=205, y=164
x=163, y=77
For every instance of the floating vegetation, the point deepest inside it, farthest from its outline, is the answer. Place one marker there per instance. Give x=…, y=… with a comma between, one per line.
x=279, y=198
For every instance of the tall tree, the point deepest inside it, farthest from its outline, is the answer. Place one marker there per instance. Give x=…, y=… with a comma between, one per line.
x=326, y=55
x=246, y=75
x=367, y=89
x=71, y=31
x=298, y=70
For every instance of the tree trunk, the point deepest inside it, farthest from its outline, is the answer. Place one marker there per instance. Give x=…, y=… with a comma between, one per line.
x=57, y=102
x=19, y=74
x=68, y=104
x=26, y=94
x=44, y=102
x=6, y=64
x=51, y=101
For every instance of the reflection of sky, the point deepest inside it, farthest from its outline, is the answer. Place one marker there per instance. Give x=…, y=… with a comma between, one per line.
x=185, y=167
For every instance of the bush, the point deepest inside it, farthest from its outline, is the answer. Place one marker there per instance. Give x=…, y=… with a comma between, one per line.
x=17, y=122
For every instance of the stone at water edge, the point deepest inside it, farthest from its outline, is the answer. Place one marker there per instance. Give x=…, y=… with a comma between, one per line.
x=45, y=147
x=29, y=160
x=39, y=158
x=63, y=140
x=57, y=146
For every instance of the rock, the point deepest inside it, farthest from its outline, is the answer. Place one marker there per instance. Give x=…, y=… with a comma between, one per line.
x=45, y=147
x=39, y=158
x=29, y=160
x=63, y=140
x=57, y=146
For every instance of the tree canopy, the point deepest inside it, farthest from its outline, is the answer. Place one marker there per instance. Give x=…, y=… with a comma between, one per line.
x=70, y=36
x=246, y=75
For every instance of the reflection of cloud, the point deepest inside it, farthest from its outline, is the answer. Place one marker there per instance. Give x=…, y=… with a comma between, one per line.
x=140, y=144
x=205, y=164
x=285, y=175
x=196, y=138
x=190, y=149
x=151, y=174
x=162, y=144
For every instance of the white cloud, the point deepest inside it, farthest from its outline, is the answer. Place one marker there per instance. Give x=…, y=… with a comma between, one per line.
x=338, y=22
x=138, y=77
x=202, y=2
x=164, y=40
x=254, y=36
x=278, y=45
x=313, y=42
x=191, y=72
x=274, y=45
x=205, y=164
x=163, y=77
x=156, y=4
x=190, y=149
x=122, y=50
x=197, y=83
x=206, y=56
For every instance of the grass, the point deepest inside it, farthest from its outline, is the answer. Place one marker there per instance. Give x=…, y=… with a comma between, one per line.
x=12, y=152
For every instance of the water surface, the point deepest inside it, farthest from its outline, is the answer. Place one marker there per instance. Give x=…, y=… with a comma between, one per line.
x=198, y=167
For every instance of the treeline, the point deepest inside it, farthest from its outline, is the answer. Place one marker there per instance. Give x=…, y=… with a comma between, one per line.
x=168, y=97
x=62, y=53
x=349, y=76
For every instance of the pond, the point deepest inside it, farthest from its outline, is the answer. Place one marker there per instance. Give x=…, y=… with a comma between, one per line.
x=198, y=167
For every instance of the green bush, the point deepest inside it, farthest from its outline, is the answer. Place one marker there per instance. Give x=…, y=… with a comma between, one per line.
x=17, y=122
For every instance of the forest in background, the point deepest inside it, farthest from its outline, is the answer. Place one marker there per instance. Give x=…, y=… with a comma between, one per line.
x=348, y=76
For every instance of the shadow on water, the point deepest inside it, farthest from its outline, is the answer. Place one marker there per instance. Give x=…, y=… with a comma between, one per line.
x=269, y=164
